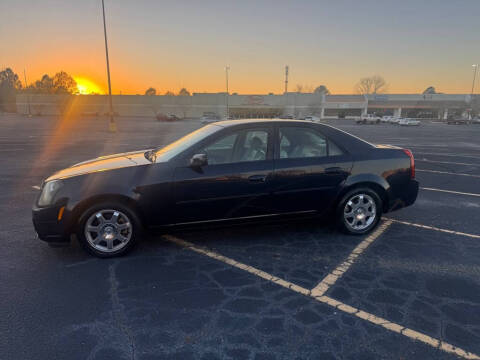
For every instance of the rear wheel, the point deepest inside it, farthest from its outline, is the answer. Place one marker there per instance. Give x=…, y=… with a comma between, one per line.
x=359, y=211
x=108, y=229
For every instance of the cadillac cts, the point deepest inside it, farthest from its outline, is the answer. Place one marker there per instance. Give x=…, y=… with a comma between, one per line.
x=226, y=171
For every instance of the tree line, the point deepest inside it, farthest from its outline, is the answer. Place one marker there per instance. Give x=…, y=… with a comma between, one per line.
x=152, y=92
x=63, y=83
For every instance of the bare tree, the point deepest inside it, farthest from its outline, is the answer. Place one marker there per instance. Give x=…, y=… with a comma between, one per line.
x=371, y=85
x=429, y=90
x=322, y=89
x=183, y=92
x=169, y=93
x=151, y=91
x=299, y=88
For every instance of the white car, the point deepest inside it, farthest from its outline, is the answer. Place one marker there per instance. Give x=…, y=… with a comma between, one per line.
x=368, y=119
x=408, y=122
x=387, y=119
x=312, y=118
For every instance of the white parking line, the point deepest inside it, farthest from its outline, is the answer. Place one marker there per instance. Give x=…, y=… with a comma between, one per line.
x=448, y=173
x=446, y=162
x=450, y=191
x=331, y=278
x=412, y=334
x=435, y=228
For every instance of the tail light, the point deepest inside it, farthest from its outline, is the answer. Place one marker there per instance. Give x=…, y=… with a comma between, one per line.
x=412, y=163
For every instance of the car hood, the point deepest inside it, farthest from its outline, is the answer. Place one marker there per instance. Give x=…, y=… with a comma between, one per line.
x=103, y=163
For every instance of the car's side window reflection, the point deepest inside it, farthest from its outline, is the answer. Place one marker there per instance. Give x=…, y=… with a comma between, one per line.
x=221, y=151
x=241, y=146
x=296, y=142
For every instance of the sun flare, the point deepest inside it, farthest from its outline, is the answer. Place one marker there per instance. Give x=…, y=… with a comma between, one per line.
x=86, y=86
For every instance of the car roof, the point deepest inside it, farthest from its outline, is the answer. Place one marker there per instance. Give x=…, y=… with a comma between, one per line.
x=351, y=142
x=228, y=123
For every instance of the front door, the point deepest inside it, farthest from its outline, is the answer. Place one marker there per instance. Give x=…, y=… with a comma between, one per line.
x=236, y=181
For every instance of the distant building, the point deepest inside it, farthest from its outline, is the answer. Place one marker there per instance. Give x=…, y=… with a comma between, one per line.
x=253, y=106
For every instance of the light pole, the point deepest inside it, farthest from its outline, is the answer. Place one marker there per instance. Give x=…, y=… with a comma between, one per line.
x=227, y=69
x=475, y=67
x=26, y=89
x=112, y=125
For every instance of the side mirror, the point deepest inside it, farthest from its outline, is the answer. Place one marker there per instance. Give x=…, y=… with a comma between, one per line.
x=198, y=160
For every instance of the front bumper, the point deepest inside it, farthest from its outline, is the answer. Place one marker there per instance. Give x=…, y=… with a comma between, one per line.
x=48, y=227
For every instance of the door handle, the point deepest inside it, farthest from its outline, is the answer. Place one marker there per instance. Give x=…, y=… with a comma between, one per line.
x=257, y=178
x=334, y=170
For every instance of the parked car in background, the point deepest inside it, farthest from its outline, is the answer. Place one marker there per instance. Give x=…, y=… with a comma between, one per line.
x=458, y=121
x=386, y=119
x=229, y=171
x=408, y=122
x=312, y=118
x=167, y=117
x=369, y=119
x=209, y=117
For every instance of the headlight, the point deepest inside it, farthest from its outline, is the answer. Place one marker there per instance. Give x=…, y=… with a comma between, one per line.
x=49, y=190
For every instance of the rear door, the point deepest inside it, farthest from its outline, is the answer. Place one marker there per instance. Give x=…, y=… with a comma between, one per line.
x=309, y=170
x=236, y=181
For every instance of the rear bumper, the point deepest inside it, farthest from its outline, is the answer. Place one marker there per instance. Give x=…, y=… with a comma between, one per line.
x=406, y=196
x=48, y=227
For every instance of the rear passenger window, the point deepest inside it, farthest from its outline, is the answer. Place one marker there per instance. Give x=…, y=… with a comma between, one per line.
x=298, y=142
x=333, y=150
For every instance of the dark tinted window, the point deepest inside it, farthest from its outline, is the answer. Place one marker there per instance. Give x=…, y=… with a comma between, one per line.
x=296, y=142
x=240, y=146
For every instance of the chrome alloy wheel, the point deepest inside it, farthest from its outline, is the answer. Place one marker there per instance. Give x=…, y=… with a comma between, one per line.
x=108, y=230
x=360, y=212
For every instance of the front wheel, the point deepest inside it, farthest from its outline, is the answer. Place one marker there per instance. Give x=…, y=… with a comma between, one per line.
x=108, y=229
x=359, y=211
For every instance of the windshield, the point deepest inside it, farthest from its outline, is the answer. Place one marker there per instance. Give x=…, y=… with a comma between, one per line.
x=168, y=152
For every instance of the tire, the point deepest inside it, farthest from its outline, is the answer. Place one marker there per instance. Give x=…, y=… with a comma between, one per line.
x=368, y=214
x=115, y=233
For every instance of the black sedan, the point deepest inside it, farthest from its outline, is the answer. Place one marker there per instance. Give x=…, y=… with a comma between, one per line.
x=228, y=171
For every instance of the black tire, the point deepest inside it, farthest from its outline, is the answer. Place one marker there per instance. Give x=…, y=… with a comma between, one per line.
x=344, y=224
x=107, y=207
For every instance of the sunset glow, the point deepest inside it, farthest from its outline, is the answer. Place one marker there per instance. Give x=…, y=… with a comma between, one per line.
x=86, y=86
x=330, y=43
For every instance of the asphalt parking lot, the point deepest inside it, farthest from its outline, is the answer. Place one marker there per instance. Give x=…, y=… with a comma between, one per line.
x=410, y=290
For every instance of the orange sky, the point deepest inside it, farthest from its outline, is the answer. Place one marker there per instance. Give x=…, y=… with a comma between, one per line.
x=187, y=44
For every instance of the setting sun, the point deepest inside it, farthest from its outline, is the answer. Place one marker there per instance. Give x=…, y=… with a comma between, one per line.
x=86, y=86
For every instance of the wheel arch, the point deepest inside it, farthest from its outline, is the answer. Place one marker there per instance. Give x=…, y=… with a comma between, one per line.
x=83, y=205
x=381, y=188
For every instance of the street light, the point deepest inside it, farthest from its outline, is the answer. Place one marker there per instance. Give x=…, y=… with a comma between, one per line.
x=227, y=69
x=112, y=125
x=475, y=67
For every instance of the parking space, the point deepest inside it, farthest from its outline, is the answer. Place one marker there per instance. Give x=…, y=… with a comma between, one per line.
x=421, y=280
x=264, y=291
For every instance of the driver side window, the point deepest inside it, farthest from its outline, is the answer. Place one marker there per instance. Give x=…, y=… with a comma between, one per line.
x=241, y=146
